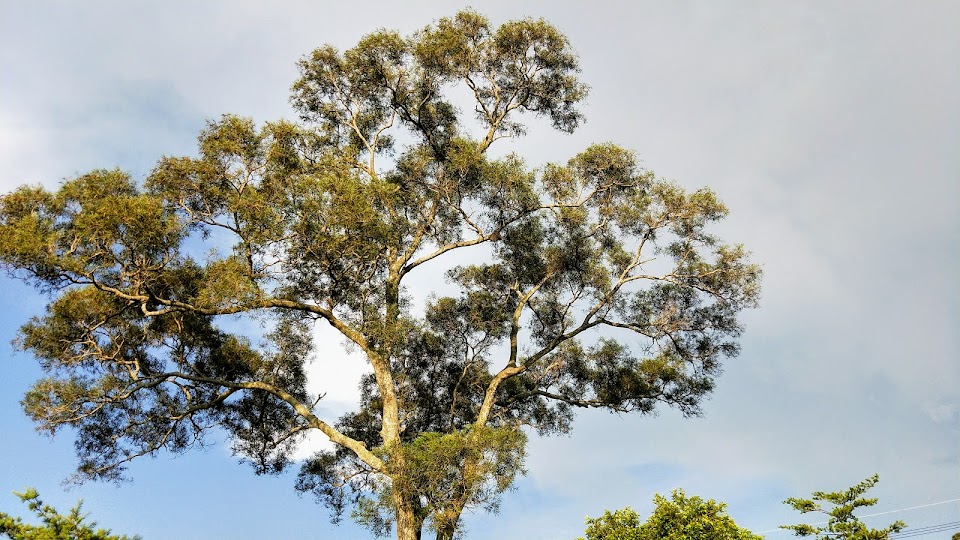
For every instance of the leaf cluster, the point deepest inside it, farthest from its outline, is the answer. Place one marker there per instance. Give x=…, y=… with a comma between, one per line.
x=841, y=520
x=56, y=526
x=677, y=518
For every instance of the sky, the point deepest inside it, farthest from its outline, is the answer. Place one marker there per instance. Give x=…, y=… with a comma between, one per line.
x=830, y=129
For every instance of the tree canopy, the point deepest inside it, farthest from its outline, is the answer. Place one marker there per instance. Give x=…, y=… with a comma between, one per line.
x=56, y=526
x=841, y=520
x=589, y=283
x=677, y=518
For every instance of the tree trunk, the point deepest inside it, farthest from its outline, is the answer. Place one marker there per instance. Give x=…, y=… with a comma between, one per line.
x=447, y=531
x=448, y=520
x=408, y=526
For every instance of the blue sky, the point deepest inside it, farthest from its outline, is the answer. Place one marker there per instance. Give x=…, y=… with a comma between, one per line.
x=831, y=130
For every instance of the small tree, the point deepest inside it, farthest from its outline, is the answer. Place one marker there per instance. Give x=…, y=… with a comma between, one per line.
x=842, y=523
x=677, y=518
x=623, y=524
x=592, y=283
x=55, y=526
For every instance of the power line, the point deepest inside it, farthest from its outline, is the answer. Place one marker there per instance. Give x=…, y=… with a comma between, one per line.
x=920, y=531
x=778, y=529
x=911, y=508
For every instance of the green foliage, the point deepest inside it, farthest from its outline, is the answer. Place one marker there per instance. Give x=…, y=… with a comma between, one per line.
x=324, y=221
x=842, y=523
x=677, y=518
x=474, y=465
x=683, y=517
x=56, y=526
x=623, y=524
x=442, y=467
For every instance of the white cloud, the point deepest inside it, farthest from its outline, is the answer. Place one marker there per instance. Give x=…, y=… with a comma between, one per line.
x=944, y=413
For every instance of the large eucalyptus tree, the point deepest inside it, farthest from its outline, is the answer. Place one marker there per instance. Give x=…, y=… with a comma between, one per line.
x=592, y=284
